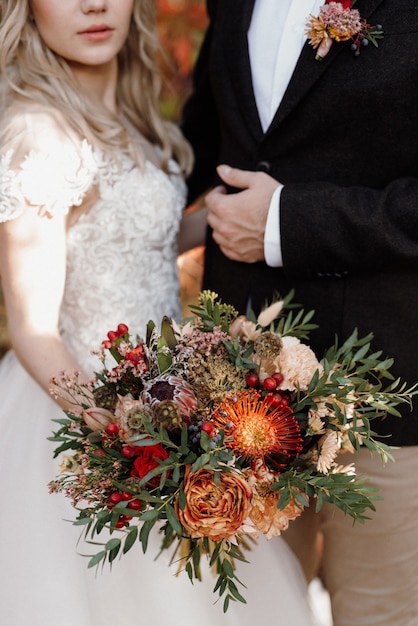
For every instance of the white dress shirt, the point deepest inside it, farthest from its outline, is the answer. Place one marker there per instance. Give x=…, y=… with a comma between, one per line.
x=275, y=39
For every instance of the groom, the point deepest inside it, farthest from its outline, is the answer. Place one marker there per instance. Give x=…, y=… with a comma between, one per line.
x=318, y=191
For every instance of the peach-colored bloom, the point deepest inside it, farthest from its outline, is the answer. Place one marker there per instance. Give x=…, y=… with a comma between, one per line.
x=264, y=514
x=214, y=510
x=267, y=518
x=298, y=363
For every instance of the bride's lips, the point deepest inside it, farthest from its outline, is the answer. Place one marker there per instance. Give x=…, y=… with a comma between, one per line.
x=98, y=32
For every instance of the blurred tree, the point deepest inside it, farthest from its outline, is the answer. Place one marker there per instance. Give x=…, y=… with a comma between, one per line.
x=181, y=24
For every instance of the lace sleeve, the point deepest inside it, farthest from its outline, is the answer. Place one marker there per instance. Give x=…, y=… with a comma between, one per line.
x=46, y=171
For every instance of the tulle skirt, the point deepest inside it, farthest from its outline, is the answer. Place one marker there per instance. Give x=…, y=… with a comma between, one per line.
x=45, y=581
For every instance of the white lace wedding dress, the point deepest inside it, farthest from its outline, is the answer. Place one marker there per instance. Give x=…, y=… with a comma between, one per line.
x=121, y=268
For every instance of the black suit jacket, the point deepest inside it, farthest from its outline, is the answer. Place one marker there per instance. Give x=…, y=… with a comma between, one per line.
x=344, y=142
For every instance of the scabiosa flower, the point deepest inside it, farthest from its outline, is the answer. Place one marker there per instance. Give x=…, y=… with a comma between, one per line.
x=105, y=397
x=129, y=414
x=256, y=430
x=268, y=345
x=167, y=414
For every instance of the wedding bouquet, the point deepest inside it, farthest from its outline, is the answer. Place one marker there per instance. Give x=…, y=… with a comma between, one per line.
x=217, y=429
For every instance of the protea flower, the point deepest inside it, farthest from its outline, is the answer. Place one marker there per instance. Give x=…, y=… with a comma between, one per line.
x=97, y=418
x=171, y=399
x=256, y=430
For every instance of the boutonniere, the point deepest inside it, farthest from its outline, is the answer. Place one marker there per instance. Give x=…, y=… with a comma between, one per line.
x=340, y=22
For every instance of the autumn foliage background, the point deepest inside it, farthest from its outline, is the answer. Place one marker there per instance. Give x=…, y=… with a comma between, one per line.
x=181, y=24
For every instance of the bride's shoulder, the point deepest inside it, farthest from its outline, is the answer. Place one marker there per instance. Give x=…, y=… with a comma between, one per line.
x=43, y=163
x=34, y=127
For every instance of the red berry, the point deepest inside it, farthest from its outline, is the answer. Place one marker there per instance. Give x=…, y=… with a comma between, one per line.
x=115, y=498
x=121, y=523
x=269, y=383
x=285, y=399
x=112, y=335
x=252, y=380
x=135, y=505
x=126, y=495
x=100, y=452
x=122, y=329
x=207, y=427
x=112, y=428
x=275, y=400
x=106, y=344
x=278, y=377
x=128, y=452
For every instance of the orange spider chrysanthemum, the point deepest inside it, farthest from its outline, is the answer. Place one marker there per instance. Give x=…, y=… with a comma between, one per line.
x=255, y=429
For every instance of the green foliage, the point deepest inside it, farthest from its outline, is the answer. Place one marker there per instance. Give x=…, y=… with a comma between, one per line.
x=214, y=314
x=351, y=387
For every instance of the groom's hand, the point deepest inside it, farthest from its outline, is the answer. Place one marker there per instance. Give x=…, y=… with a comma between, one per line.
x=239, y=219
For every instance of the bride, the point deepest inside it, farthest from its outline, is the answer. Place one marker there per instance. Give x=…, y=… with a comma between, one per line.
x=92, y=195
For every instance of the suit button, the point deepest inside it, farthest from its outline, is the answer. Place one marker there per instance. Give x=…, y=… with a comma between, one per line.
x=263, y=166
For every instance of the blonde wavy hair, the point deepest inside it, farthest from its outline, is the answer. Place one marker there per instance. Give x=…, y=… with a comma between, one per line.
x=29, y=70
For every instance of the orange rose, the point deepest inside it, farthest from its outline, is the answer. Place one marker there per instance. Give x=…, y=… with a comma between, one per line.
x=214, y=510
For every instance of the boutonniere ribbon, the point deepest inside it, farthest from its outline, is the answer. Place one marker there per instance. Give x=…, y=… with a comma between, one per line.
x=338, y=21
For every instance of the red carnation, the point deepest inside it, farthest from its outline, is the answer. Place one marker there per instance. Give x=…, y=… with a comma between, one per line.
x=147, y=459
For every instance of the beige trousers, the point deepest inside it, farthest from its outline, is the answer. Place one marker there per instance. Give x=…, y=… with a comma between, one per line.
x=370, y=570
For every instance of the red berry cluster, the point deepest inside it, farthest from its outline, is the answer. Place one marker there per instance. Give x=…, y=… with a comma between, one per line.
x=133, y=504
x=113, y=335
x=111, y=435
x=270, y=386
x=129, y=452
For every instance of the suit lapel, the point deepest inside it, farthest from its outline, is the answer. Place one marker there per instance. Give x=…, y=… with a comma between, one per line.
x=238, y=61
x=308, y=70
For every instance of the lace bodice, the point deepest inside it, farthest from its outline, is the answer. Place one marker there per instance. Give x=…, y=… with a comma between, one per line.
x=121, y=256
